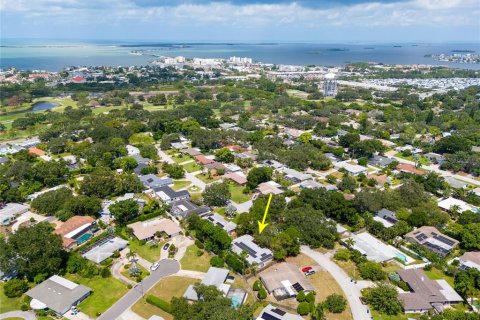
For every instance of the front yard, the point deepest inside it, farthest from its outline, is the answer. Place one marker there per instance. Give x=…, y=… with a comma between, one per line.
x=9, y=304
x=166, y=289
x=237, y=193
x=105, y=292
x=180, y=184
x=145, y=251
x=192, y=167
x=205, y=178
x=191, y=261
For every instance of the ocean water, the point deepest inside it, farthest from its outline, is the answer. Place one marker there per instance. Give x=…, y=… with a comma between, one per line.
x=54, y=55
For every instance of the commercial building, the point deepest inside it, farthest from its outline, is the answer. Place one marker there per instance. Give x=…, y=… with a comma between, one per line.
x=285, y=280
x=432, y=239
x=146, y=230
x=255, y=254
x=57, y=294
x=426, y=294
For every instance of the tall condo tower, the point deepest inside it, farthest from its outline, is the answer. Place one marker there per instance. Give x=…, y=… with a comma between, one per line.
x=329, y=85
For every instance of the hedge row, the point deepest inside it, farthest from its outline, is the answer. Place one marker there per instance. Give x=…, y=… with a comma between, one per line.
x=159, y=303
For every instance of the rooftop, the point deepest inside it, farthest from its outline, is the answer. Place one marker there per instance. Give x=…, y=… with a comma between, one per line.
x=147, y=229
x=256, y=254
x=272, y=313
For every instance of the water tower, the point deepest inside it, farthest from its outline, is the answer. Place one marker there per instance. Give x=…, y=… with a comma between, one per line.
x=329, y=85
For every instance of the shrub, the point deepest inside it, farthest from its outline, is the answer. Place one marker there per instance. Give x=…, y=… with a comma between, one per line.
x=257, y=285
x=384, y=298
x=336, y=303
x=15, y=288
x=310, y=297
x=199, y=244
x=342, y=254
x=262, y=294
x=303, y=308
x=105, y=273
x=159, y=303
x=200, y=253
x=217, y=261
x=372, y=271
x=24, y=307
x=301, y=296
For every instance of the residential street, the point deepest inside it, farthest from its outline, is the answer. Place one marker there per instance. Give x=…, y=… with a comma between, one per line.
x=27, y=315
x=351, y=291
x=167, y=268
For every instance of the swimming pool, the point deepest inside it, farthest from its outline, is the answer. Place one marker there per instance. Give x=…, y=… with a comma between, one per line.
x=84, y=237
x=401, y=256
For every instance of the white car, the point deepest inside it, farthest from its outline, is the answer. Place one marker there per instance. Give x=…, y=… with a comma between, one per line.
x=154, y=266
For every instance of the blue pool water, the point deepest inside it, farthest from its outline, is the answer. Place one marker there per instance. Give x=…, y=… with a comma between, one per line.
x=84, y=237
x=401, y=256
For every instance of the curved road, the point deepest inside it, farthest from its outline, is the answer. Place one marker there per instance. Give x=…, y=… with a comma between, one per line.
x=166, y=268
x=352, y=292
x=27, y=315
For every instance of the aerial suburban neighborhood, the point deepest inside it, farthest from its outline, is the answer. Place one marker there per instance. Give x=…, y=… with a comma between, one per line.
x=233, y=189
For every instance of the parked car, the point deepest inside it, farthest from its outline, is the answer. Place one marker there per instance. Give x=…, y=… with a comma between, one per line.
x=165, y=247
x=306, y=269
x=363, y=300
x=309, y=272
x=154, y=266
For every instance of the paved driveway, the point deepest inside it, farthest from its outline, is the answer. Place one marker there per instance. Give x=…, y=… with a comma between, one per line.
x=27, y=315
x=167, y=268
x=352, y=292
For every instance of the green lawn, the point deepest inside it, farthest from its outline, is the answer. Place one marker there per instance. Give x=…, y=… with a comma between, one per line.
x=126, y=273
x=436, y=274
x=166, y=289
x=192, y=167
x=191, y=261
x=422, y=160
x=8, y=304
x=180, y=184
x=145, y=251
x=205, y=178
x=141, y=138
x=105, y=292
x=181, y=158
x=237, y=193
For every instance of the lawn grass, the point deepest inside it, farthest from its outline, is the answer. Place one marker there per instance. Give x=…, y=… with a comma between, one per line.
x=237, y=193
x=105, y=292
x=145, y=251
x=436, y=274
x=141, y=138
x=422, y=160
x=9, y=304
x=350, y=268
x=378, y=316
x=166, y=289
x=205, y=178
x=181, y=158
x=180, y=184
x=191, y=261
x=126, y=273
x=192, y=167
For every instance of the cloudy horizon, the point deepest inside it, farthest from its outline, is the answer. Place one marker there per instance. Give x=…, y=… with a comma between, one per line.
x=340, y=21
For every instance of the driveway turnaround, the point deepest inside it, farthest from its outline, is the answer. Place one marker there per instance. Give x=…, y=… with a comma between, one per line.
x=352, y=292
x=166, y=268
x=27, y=315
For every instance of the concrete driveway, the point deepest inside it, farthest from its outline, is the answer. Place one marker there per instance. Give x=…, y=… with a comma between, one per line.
x=352, y=292
x=167, y=268
x=27, y=315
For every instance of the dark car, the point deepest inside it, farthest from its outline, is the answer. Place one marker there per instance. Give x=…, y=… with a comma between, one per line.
x=165, y=247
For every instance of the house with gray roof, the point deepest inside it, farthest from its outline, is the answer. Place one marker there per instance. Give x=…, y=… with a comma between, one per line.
x=214, y=277
x=57, y=294
x=273, y=313
x=426, y=294
x=10, y=211
x=168, y=195
x=152, y=181
x=432, y=239
x=380, y=161
x=294, y=175
x=386, y=217
x=184, y=208
x=255, y=254
x=221, y=222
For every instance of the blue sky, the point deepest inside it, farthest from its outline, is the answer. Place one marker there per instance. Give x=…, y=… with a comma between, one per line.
x=333, y=21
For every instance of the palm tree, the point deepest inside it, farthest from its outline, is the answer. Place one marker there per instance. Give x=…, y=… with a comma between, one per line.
x=131, y=256
x=349, y=243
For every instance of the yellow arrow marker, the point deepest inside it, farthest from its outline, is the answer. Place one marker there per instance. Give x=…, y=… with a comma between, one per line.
x=262, y=224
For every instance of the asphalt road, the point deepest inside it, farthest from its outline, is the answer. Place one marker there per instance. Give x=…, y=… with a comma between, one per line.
x=167, y=268
x=352, y=292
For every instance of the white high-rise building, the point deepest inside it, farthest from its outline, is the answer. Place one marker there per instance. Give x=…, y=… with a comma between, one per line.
x=329, y=85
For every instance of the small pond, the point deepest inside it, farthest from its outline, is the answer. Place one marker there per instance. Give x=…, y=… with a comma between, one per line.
x=43, y=105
